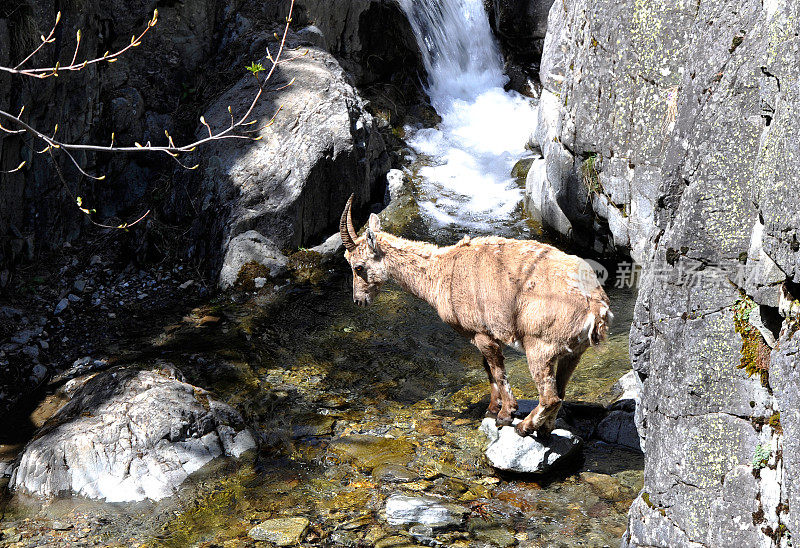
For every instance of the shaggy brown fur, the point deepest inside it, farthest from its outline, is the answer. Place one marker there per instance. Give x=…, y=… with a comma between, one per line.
x=494, y=290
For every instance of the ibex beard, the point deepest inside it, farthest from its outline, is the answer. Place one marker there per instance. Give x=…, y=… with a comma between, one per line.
x=494, y=291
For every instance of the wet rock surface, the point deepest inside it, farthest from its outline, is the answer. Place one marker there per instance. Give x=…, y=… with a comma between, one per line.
x=281, y=531
x=431, y=511
x=127, y=435
x=346, y=419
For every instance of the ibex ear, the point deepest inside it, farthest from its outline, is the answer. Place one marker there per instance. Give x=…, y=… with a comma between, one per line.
x=371, y=242
x=375, y=223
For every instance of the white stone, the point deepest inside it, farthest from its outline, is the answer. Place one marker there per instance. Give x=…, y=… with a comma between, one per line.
x=432, y=511
x=510, y=452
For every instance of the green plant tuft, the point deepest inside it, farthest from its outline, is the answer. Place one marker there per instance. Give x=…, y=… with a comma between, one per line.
x=761, y=456
x=590, y=174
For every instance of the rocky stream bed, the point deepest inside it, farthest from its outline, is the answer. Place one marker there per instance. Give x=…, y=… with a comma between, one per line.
x=367, y=423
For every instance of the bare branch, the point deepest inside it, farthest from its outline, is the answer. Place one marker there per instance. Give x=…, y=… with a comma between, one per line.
x=47, y=72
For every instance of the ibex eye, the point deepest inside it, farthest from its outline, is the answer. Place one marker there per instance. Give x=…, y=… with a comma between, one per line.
x=359, y=270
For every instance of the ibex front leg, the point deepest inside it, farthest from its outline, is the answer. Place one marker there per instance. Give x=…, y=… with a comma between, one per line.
x=495, y=403
x=493, y=355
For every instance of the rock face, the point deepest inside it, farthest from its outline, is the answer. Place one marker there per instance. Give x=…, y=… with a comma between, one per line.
x=509, y=452
x=322, y=146
x=290, y=187
x=677, y=125
x=136, y=99
x=129, y=435
x=521, y=27
x=372, y=38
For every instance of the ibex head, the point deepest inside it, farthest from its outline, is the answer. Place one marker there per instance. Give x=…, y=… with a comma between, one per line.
x=364, y=256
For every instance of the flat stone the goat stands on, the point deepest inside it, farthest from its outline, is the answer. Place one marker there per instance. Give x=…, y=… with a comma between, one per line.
x=494, y=290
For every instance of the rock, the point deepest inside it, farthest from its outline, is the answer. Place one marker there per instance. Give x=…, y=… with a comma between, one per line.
x=619, y=427
x=431, y=511
x=281, y=531
x=606, y=486
x=127, y=435
x=520, y=26
x=31, y=352
x=251, y=247
x=312, y=425
x=285, y=191
x=60, y=526
x=312, y=36
x=6, y=469
x=359, y=32
x=493, y=535
x=186, y=285
x=331, y=246
x=79, y=285
x=509, y=452
x=73, y=298
x=393, y=473
x=61, y=306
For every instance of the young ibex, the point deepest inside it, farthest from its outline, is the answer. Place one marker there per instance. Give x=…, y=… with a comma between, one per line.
x=494, y=290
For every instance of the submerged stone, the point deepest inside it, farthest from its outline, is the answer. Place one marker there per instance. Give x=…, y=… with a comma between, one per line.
x=431, y=511
x=509, y=452
x=367, y=452
x=393, y=473
x=280, y=531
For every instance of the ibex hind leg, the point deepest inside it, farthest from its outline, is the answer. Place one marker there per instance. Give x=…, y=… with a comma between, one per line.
x=542, y=360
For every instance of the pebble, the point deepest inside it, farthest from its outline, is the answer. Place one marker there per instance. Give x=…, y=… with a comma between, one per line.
x=186, y=285
x=79, y=285
x=61, y=306
x=73, y=298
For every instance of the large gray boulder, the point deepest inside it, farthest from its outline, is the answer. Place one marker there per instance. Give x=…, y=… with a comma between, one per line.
x=129, y=435
x=289, y=187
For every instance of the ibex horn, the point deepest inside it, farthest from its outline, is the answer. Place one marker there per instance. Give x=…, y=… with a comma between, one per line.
x=346, y=226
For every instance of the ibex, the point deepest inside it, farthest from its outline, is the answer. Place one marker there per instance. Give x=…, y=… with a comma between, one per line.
x=492, y=290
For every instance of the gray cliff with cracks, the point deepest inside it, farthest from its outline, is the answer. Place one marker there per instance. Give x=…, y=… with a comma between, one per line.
x=668, y=131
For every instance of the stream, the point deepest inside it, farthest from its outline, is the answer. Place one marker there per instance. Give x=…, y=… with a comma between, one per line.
x=355, y=405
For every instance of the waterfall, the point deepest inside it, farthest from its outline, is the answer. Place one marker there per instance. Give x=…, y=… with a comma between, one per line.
x=468, y=158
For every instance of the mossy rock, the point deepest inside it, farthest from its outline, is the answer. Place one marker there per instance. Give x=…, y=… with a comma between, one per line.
x=245, y=279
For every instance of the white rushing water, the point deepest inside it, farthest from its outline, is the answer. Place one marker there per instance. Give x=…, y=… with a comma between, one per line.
x=468, y=158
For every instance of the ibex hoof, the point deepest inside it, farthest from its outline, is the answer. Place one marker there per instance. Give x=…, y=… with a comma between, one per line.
x=543, y=434
x=521, y=430
x=491, y=414
x=503, y=421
